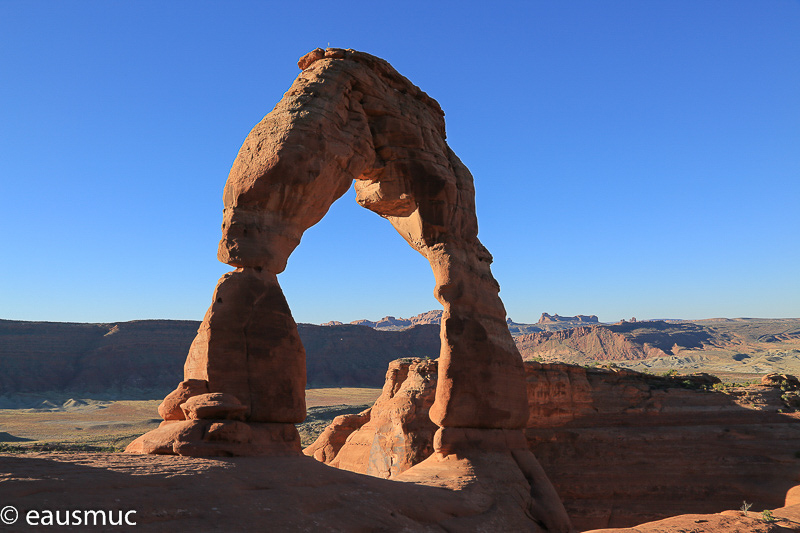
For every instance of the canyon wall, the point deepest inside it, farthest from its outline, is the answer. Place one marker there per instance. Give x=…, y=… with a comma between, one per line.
x=139, y=359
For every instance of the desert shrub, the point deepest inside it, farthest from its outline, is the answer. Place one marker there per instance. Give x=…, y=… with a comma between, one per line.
x=745, y=507
x=766, y=516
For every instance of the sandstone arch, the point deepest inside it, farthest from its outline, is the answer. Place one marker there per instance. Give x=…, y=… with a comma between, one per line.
x=350, y=117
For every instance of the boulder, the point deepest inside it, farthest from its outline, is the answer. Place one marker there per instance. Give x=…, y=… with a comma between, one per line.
x=213, y=406
x=170, y=408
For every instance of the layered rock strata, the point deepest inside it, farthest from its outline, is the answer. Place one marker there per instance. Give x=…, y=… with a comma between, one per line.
x=621, y=447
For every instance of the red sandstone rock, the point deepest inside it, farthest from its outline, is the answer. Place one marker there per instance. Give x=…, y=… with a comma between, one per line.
x=366, y=122
x=488, y=464
x=218, y=438
x=170, y=408
x=792, y=497
x=725, y=522
x=333, y=437
x=248, y=346
x=785, y=381
x=213, y=406
x=398, y=432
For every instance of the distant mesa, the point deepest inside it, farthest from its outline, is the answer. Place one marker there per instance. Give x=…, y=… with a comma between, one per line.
x=546, y=322
x=390, y=323
x=555, y=319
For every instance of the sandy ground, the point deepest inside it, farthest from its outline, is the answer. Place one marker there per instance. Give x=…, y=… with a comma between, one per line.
x=111, y=426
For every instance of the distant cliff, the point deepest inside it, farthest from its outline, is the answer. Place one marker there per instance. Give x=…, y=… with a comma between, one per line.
x=598, y=343
x=740, y=345
x=390, y=323
x=145, y=358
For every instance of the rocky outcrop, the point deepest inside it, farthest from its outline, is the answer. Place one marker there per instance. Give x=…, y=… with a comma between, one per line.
x=394, y=434
x=624, y=447
x=741, y=345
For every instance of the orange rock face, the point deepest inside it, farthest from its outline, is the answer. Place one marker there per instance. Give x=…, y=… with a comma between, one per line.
x=397, y=432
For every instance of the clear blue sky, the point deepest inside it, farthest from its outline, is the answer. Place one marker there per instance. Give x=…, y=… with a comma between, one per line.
x=631, y=158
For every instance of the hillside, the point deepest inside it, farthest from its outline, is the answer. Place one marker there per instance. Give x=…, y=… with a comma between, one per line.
x=745, y=345
x=144, y=359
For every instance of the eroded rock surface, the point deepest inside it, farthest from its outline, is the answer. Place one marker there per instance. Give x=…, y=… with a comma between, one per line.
x=397, y=432
x=255, y=493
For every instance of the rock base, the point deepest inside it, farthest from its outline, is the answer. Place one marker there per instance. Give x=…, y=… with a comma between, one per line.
x=218, y=438
x=499, y=476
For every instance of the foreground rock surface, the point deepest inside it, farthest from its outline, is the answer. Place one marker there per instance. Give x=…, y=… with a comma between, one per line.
x=172, y=493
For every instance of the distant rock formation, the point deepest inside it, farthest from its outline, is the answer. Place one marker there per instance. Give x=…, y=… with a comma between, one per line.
x=624, y=341
x=594, y=343
x=392, y=324
x=140, y=359
x=621, y=447
x=579, y=319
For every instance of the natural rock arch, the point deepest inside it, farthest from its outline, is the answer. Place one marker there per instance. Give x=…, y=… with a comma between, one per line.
x=350, y=116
